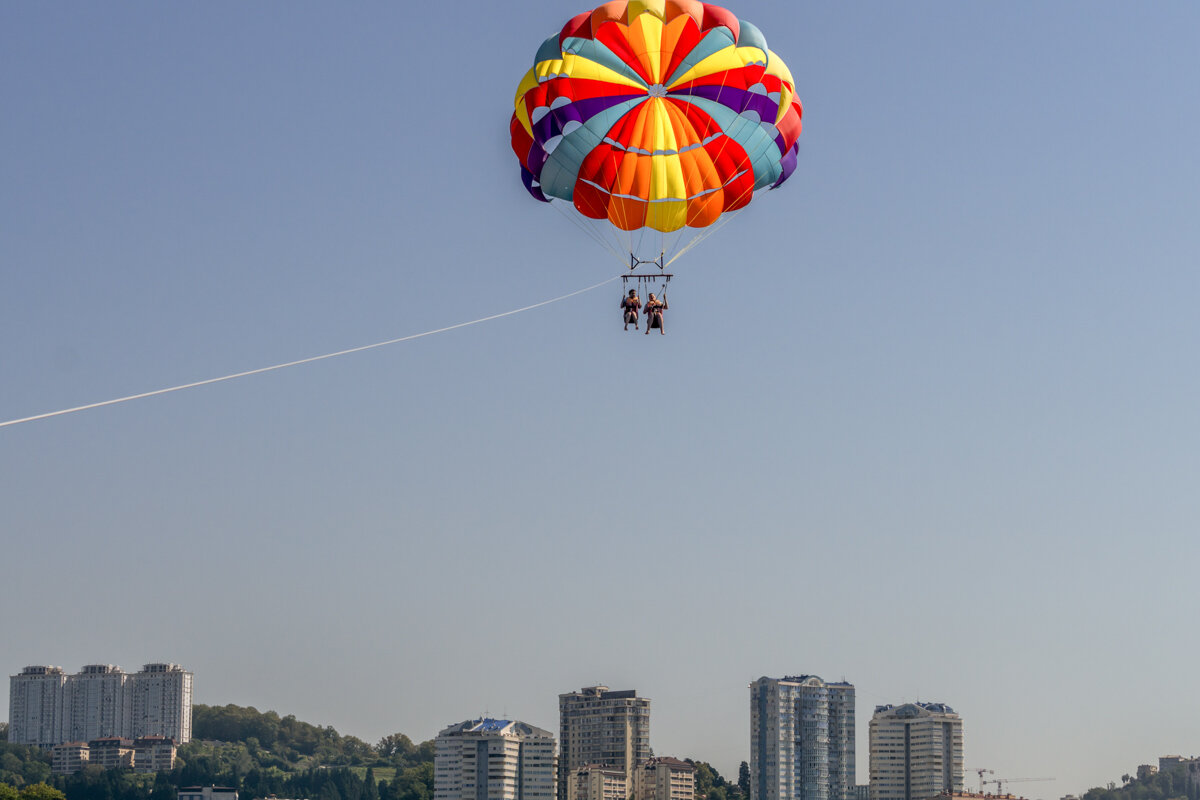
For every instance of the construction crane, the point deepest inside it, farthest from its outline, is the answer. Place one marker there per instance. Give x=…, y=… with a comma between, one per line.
x=981, y=774
x=1001, y=782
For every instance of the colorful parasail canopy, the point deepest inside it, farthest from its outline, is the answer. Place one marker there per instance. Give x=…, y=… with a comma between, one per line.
x=655, y=114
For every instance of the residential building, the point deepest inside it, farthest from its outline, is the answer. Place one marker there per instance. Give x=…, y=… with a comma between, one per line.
x=161, y=702
x=595, y=782
x=47, y=707
x=35, y=706
x=494, y=759
x=68, y=758
x=207, y=793
x=1188, y=767
x=149, y=754
x=94, y=703
x=664, y=778
x=111, y=752
x=801, y=739
x=154, y=754
x=600, y=726
x=916, y=751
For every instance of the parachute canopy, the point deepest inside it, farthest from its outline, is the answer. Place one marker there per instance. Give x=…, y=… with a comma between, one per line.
x=659, y=114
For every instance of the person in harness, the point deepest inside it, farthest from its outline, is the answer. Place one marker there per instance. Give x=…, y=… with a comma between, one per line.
x=654, y=314
x=630, y=306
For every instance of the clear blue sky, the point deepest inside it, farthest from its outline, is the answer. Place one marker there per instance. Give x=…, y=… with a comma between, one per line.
x=926, y=418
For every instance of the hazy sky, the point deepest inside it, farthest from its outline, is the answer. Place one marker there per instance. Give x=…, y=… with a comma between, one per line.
x=925, y=419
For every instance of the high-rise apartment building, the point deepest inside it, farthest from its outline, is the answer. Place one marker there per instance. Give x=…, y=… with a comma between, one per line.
x=916, y=751
x=48, y=707
x=160, y=703
x=494, y=759
x=35, y=706
x=598, y=726
x=94, y=703
x=801, y=739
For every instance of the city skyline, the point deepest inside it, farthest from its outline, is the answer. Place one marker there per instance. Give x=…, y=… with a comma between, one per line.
x=803, y=712
x=924, y=417
x=808, y=693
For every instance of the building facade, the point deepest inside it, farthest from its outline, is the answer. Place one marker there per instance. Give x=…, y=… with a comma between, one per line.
x=160, y=702
x=598, y=726
x=916, y=751
x=664, y=779
x=207, y=793
x=1189, y=768
x=47, y=707
x=597, y=783
x=494, y=759
x=35, y=706
x=154, y=754
x=111, y=752
x=94, y=703
x=150, y=754
x=68, y=758
x=801, y=739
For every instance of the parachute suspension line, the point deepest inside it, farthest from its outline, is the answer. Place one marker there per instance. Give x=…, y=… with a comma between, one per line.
x=592, y=231
x=310, y=359
x=578, y=223
x=704, y=233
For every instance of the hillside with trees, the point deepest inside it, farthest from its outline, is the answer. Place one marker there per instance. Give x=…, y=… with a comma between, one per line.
x=262, y=754
x=1168, y=785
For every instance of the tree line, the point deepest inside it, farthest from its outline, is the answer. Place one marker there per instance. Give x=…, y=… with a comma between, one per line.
x=1171, y=784
x=259, y=754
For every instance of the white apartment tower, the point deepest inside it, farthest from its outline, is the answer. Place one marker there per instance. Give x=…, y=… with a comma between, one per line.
x=598, y=726
x=94, y=703
x=801, y=739
x=916, y=751
x=48, y=707
x=494, y=759
x=35, y=706
x=160, y=703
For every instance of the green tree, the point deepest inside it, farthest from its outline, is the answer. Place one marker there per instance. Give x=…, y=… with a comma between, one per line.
x=163, y=790
x=711, y=786
x=41, y=791
x=744, y=778
x=414, y=783
x=8, y=792
x=35, y=772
